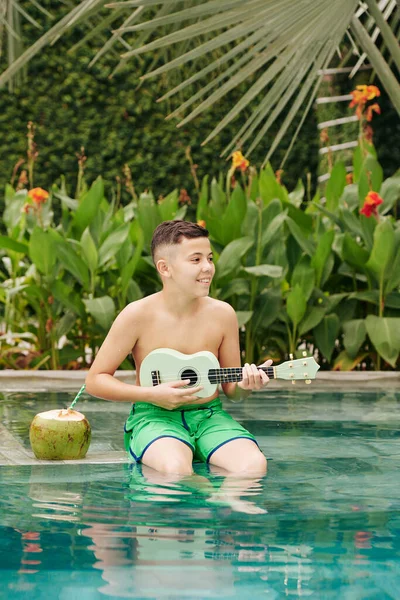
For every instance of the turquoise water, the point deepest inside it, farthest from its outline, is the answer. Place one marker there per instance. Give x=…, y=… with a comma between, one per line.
x=324, y=523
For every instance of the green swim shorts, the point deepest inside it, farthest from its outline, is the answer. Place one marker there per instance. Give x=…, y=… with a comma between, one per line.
x=203, y=428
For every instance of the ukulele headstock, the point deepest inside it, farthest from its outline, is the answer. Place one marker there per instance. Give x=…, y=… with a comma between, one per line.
x=304, y=369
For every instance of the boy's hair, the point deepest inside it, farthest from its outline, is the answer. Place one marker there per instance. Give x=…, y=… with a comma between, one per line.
x=170, y=233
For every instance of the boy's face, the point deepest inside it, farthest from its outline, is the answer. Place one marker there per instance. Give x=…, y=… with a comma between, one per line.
x=190, y=265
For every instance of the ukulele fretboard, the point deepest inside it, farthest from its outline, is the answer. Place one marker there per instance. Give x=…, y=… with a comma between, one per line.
x=233, y=374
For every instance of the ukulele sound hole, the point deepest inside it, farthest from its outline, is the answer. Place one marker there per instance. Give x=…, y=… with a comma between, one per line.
x=190, y=374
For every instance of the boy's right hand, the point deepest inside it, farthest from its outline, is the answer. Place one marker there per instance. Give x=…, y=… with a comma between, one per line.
x=171, y=395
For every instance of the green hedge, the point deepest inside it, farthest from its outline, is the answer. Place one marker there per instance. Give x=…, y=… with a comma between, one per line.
x=73, y=106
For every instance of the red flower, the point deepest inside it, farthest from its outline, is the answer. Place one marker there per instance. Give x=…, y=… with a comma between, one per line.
x=371, y=202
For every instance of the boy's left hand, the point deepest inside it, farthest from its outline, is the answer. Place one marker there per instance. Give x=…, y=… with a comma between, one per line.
x=254, y=378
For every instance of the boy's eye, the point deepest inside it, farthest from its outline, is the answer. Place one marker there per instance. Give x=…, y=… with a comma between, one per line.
x=211, y=258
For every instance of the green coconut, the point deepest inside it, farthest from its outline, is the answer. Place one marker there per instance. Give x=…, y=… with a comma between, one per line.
x=60, y=435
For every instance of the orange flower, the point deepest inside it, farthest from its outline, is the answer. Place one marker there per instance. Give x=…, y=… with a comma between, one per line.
x=201, y=223
x=239, y=161
x=371, y=202
x=278, y=176
x=38, y=195
x=349, y=178
x=363, y=93
x=372, y=92
x=371, y=109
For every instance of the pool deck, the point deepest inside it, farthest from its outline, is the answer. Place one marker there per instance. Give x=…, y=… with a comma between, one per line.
x=12, y=451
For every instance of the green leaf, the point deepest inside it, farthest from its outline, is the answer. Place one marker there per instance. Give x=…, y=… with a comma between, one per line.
x=73, y=263
x=304, y=276
x=273, y=227
x=168, y=206
x=201, y=210
x=89, y=250
x=368, y=225
x=305, y=244
x=243, y=316
x=41, y=251
x=133, y=292
x=102, y=310
x=353, y=254
x=335, y=186
x=264, y=271
x=234, y=216
x=311, y=319
x=371, y=296
x=326, y=334
x=390, y=192
x=89, y=205
x=231, y=255
x=130, y=267
x=267, y=307
x=384, y=333
x=10, y=244
x=113, y=243
x=239, y=287
x=381, y=257
x=269, y=187
x=322, y=254
x=349, y=199
x=371, y=177
x=65, y=324
x=355, y=333
x=351, y=222
x=296, y=305
x=393, y=279
x=148, y=216
x=297, y=195
x=68, y=297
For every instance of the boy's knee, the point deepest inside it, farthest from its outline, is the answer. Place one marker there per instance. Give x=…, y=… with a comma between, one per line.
x=254, y=463
x=176, y=465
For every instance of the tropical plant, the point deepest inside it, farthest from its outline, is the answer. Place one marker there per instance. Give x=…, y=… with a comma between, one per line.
x=315, y=274
x=280, y=47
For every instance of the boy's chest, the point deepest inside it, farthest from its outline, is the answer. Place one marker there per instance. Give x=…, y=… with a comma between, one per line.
x=187, y=336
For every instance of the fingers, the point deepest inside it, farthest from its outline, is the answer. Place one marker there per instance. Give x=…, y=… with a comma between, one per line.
x=254, y=378
x=179, y=383
x=191, y=391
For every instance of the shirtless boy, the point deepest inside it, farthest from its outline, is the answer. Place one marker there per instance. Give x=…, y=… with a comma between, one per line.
x=169, y=425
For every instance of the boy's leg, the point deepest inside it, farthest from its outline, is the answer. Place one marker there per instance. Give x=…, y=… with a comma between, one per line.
x=240, y=456
x=169, y=455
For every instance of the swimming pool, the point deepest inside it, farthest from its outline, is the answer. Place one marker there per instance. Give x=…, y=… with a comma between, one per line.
x=324, y=523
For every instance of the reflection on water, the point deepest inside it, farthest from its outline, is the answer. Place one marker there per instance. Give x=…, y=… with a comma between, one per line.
x=323, y=523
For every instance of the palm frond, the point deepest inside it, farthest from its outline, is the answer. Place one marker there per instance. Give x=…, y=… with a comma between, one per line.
x=276, y=48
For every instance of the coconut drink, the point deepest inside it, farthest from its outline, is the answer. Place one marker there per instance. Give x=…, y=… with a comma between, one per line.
x=60, y=435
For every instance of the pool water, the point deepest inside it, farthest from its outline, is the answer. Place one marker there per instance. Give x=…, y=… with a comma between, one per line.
x=324, y=523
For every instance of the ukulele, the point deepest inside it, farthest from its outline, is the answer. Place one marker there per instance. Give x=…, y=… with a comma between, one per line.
x=202, y=368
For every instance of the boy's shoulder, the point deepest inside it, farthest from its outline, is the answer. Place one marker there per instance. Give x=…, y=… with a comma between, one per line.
x=139, y=307
x=221, y=307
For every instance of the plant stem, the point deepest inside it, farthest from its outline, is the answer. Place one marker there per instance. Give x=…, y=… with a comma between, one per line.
x=249, y=344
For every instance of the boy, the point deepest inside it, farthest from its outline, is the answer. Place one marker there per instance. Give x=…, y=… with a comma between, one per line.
x=169, y=425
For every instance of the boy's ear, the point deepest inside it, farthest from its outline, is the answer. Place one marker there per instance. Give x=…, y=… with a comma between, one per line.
x=162, y=267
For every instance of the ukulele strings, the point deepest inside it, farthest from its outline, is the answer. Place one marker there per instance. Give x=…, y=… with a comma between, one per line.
x=166, y=377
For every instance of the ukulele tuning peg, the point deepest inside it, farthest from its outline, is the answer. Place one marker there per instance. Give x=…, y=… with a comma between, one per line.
x=304, y=353
x=291, y=356
x=308, y=381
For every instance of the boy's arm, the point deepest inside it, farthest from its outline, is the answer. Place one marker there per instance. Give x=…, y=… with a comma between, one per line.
x=119, y=342
x=229, y=356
